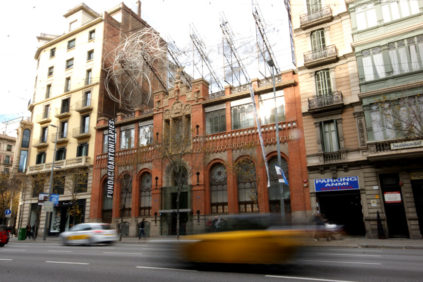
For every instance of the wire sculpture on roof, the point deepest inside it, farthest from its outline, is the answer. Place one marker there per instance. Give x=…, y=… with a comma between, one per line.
x=135, y=68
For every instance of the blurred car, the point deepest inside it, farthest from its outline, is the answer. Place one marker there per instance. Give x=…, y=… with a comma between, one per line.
x=89, y=234
x=244, y=239
x=4, y=235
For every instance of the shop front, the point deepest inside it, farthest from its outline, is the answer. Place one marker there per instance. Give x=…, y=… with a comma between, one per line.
x=339, y=202
x=65, y=215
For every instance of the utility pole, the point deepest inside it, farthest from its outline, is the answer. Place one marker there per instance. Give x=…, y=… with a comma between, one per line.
x=50, y=188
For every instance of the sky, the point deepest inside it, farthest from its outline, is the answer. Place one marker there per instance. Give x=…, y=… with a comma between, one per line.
x=23, y=20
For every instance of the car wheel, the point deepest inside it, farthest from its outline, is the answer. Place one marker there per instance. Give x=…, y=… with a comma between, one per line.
x=1, y=244
x=65, y=242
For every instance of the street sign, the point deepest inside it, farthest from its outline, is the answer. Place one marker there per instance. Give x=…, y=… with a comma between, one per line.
x=8, y=213
x=42, y=197
x=48, y=206
x=55, y=199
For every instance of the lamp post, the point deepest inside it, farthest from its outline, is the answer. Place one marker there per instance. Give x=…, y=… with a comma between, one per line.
x=50, y=188
x=282, y=204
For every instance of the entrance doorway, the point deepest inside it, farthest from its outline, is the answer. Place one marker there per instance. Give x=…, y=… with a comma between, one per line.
x=417, y=186
x=343, y=208
x=394, y=206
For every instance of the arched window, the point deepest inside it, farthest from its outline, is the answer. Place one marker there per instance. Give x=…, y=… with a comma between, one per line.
x=106, y=213
x=25, y=138
x=145, y=194
x=247, y=187
x=218, y=189
x=125, y=195
x=274, y=190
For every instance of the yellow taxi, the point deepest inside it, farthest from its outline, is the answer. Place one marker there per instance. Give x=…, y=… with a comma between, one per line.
x=244, y=239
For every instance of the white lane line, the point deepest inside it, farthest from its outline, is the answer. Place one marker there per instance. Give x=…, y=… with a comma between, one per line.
x=5, y=259
x=337, y=261
x=306, y=278
x=351, y=255
x=162, y=268
x=122, y=253
x=67, y=262
x=59, y=251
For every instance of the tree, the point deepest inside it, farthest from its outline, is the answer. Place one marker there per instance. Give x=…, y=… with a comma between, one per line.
x=9, y=188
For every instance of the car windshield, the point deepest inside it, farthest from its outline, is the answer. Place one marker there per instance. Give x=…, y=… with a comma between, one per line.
x=106, y=226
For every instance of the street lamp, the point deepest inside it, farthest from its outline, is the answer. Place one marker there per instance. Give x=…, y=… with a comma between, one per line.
x=50, y=188
x=272, y=67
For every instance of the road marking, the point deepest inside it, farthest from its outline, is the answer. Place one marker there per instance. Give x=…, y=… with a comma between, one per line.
x=351, y=255
x=337, y=261
x=122, y=253
x=162, y=268
x=59, y=251
x=306, y=278
x=67, y=262
x=5, y=259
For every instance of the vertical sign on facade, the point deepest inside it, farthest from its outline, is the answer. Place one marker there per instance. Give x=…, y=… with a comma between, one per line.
x=111, y=158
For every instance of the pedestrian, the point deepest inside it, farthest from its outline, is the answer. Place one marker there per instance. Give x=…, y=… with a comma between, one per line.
x=28, y=231
x=141, y=227
x=34, y=232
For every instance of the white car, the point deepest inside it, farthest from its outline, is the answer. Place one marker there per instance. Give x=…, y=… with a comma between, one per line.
x=89, y=234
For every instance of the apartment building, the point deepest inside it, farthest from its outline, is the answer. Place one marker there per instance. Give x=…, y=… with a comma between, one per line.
x=388, y=45
x=68, y=97
x=7, y=149
x=222, y=172
x=334, y=128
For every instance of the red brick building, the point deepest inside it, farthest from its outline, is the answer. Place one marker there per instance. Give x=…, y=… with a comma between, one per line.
x=223, y=145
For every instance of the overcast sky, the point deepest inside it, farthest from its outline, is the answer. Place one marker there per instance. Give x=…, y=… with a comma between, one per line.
x=23, y=20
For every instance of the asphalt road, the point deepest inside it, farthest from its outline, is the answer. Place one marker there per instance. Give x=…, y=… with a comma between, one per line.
x=37, y=261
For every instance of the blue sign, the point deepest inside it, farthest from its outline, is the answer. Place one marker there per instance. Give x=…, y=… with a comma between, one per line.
x=336, y=184
x=7, y=212
x=55, y=199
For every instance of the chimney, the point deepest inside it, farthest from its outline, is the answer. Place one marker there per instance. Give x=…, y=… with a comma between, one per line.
x=139, y=8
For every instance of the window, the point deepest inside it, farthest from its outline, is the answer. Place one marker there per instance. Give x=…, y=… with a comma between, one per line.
x=247, y=187
x=46, y=112
x=48, y=91
x=267, y=107
x=126, y=195
x=127, y=138
x=85, y=124
x=274, y=189
x=395, y=9
x=82, y=150
x=90, y=55
x=61, y=154
x=318, y=41
x=366, y=17
x=87, y=98
x=146, y=134
x=373, y=64
x=329, y=133
x=313, y=6
x=37, y=186
x=63, y=129
x=71, y=44
x=52, y=52
x=6, y=159
x=145, y=194
x=41, y=158
x=67, y=84
x=22, y=161
x=242, y=114
x=59, y=184
x=6, y=170
x=25, y=138
x=9, y=148
x=65, y=106
x=105, y=142
x=88, y=77
x=218, y=189
x=323, y=83
x=69, y=63
x=43, y=137
x=91, y=34
x=50, y=71
x=215, y=121
x=406, y=55
x=80, y=182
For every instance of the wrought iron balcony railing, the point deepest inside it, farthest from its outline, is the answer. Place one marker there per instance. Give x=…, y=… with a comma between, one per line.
x=325, y=55
x=335, y=98
x=311, y=19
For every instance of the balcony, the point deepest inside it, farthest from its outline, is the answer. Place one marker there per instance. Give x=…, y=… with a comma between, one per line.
x=79, y=133
x=63, y=164
x=333, y=156
x=62, y=114
x=60, y=139
x=40, y=144
x=319, y=104
x=83, y=107
x=327, y=55
x=43, y=119
x=319, y=17
x=395, y=149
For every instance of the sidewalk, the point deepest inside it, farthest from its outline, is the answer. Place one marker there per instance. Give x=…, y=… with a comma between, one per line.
x=344, y=242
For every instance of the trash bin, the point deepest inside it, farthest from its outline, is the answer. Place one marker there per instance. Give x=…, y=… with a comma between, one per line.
x=22, y=234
